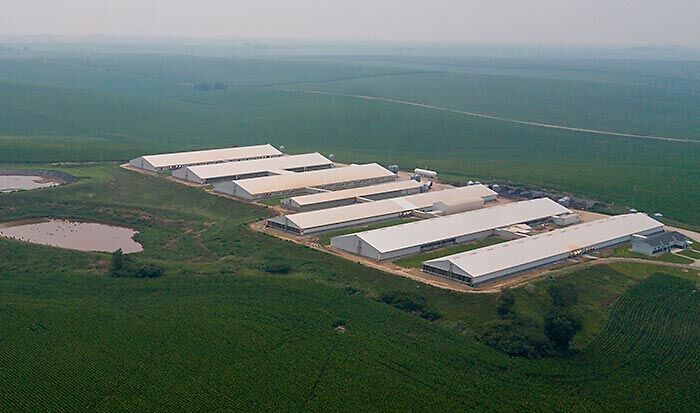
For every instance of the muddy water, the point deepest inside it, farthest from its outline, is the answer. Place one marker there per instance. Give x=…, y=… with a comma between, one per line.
x=81, y=236
x=11, y=183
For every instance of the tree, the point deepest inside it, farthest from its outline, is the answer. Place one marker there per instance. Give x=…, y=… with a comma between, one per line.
x=561, y=327
x=506, y=301
x=117, y=261
x=517, y=336
x=149, y=271
x=563, y=295
x=411, y=303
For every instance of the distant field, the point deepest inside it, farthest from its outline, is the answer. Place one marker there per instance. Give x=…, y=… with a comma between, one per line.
x=117, y=107
x=221, y=332
x=584, y=104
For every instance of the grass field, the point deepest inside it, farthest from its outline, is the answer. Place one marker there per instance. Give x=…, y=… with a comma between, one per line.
x=218, y=332
x=415, y=261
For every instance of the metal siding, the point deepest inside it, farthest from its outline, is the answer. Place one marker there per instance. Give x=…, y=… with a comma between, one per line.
x=560, y=245
x=462, y=226
x=396, y=206
x=344, y=224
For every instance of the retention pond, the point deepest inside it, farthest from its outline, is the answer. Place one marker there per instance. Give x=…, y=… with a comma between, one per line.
x=26, y=180
x=74, y=235
x=12, y=183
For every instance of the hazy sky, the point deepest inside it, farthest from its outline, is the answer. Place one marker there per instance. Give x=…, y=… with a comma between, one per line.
x=615, y=22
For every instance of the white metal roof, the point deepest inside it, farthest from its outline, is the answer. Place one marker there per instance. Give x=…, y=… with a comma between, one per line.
x=457, y=225
x=355, y=192
x=220, y=170
x=313, y=219
x=511, y=254
x=211, y=155
x=278, y=183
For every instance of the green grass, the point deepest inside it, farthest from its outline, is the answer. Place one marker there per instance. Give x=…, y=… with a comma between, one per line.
x=325, y=238
x=625, y=251
x=415, y=261
x=218, y=332
x=690, y=253
x=271, y=201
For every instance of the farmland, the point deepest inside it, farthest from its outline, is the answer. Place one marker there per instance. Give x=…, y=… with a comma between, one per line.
x=244, y=321
x=218, y=331
x=133, y=104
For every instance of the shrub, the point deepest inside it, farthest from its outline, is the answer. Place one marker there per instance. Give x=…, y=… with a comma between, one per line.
x=563, y=295
x=129, y=270
x=277, y=268
x=561, y=327
x=517, y=337
x=411, y=303
x=117, y=261
x=149, y=271
x=404, y=301
x=506, y=301
x=350, y=290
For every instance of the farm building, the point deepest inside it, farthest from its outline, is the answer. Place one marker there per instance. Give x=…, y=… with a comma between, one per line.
x=566, y=219
x=415, y=237
x=489, y=263
x=659, y=243
x=208, y=174
x=358, y=214
x=331, y=199
x=304, y=182
x=168, y=161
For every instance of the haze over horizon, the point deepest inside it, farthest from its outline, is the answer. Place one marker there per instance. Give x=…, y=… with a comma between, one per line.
x=596, y=22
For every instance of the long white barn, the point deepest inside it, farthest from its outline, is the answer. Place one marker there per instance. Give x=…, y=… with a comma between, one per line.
x=294, y=183
x=207, y=174
x=331, y=199
x=496, y=261
x=415, y=237
x=167, y=161
x=358, y=214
